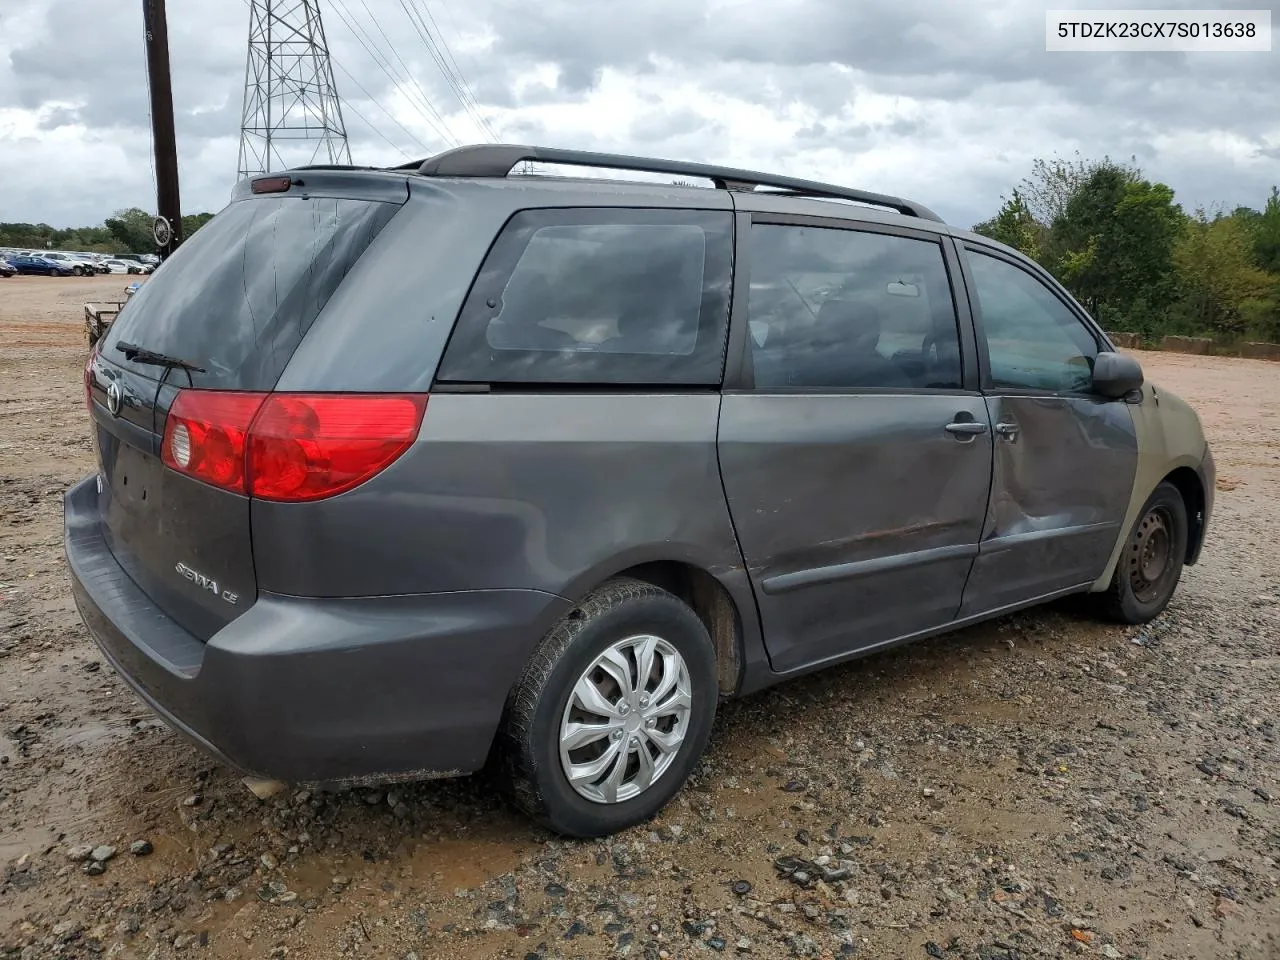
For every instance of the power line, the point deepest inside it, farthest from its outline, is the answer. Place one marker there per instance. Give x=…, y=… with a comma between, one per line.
x=407, y=72
x=368, y=96
x=406, y=83
x=394, y=146
x=457, y=71
x=448, y=12
x=451, y=79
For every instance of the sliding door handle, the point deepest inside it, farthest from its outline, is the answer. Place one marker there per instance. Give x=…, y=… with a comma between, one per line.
x=1007, y=430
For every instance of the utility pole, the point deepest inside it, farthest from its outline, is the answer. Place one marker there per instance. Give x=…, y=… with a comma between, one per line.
x=168, y=226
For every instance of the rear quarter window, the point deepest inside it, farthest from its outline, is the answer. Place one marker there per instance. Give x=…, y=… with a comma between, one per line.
x=238, y=296
x=598, y=296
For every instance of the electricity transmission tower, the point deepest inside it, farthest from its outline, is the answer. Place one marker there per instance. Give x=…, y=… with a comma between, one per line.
x=291, y=104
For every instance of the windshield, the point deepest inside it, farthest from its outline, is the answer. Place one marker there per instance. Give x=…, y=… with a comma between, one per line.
x=237, y=298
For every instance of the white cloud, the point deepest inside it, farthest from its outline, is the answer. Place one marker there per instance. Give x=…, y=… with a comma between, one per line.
x=939, y=101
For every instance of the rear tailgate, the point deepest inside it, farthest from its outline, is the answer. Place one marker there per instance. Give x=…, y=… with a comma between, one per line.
x=231, y=304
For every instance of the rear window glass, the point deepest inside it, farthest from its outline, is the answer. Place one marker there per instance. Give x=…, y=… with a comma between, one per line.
x=237, y=298
x=599, y=296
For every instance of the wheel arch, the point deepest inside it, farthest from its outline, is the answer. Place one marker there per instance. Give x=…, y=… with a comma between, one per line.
x=1189, y=485
x=723, y=603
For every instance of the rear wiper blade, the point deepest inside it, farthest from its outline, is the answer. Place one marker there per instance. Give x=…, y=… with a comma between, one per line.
x=139, y=354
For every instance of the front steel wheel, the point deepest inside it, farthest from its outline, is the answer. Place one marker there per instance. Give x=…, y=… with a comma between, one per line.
x=1149, y=558
x=626, y=719
x=1150, y=564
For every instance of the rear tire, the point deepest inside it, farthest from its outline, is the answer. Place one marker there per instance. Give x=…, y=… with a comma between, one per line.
x=598, y=655
x=79, y=272
x=1150, y=564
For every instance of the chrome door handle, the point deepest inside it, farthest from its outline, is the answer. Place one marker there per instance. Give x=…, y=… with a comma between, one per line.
x=966, y=428
x=1007, y=430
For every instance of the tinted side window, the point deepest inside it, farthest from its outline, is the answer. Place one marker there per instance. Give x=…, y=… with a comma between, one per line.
x=1034, y=341
x=848, y=309
x=608, y=296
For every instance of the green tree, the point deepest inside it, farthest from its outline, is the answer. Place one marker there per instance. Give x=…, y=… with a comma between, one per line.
x=1221, y=283
x=1015, y=226
x=1266, y=234
x=1112, y=244
x=1053, y=183
x=131, y=228
x=192, y=222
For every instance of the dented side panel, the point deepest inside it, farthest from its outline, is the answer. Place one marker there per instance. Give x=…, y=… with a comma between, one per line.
x=1064, y=469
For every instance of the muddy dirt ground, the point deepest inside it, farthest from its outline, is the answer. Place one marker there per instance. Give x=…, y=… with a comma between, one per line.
x=1042, y=786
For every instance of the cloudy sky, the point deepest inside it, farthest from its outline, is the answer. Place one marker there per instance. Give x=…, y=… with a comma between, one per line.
x=945, y=102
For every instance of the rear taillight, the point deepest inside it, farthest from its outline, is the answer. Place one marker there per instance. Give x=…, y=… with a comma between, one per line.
x=88, y=378
x=309, y=446
x=288, y=446
x=206, y=436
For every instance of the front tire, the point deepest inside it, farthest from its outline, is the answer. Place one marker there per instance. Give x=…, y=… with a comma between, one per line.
x=612, y=712
x=1150, y=565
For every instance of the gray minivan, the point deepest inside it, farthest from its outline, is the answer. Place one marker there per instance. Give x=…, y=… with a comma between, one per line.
x=406, y=472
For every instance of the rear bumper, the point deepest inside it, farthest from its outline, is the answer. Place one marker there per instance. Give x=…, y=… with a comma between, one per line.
x=325, y=691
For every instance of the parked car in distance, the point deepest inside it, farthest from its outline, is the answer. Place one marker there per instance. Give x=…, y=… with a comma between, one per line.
x=140, y=260
x=76, y=265
x=122, y=266
x=39, y=264
x=96, y=262
x=607, y=454
x=6, y=268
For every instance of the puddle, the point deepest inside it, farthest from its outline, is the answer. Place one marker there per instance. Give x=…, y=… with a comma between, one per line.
x=27, y=839
x=466, y=863
x=94, y=734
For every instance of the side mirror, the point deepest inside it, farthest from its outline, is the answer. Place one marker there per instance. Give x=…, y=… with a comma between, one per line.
x=1116, y=375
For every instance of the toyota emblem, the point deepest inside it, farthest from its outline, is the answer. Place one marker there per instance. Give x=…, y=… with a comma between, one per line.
x=114, y=398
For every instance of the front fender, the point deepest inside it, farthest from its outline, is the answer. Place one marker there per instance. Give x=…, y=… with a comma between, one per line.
x=1169, y=436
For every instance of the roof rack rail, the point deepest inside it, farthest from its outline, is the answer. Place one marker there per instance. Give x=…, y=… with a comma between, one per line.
x=498, y=159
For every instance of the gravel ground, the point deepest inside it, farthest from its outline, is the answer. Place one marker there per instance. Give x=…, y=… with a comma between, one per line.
x=1043, y=786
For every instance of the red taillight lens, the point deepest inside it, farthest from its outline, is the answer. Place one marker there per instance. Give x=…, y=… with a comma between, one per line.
x=309, y=446
x=288, y=446
x=206, y=436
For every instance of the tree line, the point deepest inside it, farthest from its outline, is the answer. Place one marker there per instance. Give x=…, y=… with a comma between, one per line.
x=128, y=231
x=1127, y=251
